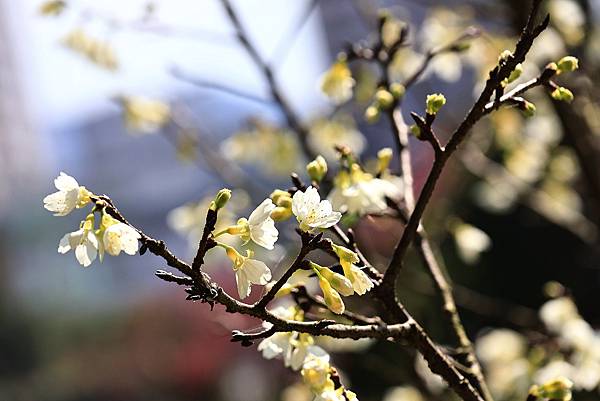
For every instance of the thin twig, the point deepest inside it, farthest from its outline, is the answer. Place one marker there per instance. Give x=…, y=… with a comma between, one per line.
x=269, y=75
x=211, y=85
x=302, y=298
x=286, y=42
x=307, y=246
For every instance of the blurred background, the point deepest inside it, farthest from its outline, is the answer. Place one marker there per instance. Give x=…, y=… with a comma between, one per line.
x=158, y=104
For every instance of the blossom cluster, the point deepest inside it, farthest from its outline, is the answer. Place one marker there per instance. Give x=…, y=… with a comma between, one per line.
x=299, y=352
x=313, y=215
x=89, y=242
x=572, y=352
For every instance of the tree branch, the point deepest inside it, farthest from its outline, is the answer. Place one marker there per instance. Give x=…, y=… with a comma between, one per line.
x=497, y=75
x=269, y=75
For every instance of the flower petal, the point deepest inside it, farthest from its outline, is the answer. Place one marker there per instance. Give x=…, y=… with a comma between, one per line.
x=243, y=284
x=261, y=213
x=256, y=271
x=65, y=182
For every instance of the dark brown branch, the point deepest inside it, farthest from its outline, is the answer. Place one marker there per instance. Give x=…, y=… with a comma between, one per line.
x=171, y=278
x=497, y=75
x=206, y=242
x=306, y=300
x=444, y=287
x=307, y=246
x=454, y=46
x=207, y=290
x=427, y=133
x=246, y=339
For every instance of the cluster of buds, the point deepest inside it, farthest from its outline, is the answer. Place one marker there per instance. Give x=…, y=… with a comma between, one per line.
x=283, y=205
x=384, y=99
x=434, y=103
x=559, y=389
x=299, y=352
x=560, y=93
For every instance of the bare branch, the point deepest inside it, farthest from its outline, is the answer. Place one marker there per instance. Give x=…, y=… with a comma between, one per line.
x=210, y=85
x=269, y=75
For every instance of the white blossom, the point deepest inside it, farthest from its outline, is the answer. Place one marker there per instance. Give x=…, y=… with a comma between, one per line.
x=85, y=244
x=260, y=227
x=293, y=347
x=120, y=237
x=316, y=370
x=500, y=346
x=248, y=271
x=556, y=313
x=359, y=192
x=279, y=344
x=325, y=134
x=330, y=395
x=313, y=213
x=470, y=242
x=276, y=345
x=361, y=283
x=69, y=196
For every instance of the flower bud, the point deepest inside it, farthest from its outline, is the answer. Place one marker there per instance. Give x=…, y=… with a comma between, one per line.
x=567, y=64
x=415, y=130
x=384, y=156
x=221, y=199
x=339, y=282
x=397, y=90
x=317, y=169
x=558, y=389
x=384, y=98
x=281, y=213
x=562, y=94
x=434, y=103
x=278, y=194
x=332, y=298
x=285, y=202
x=528, y=108
x=88, y=223
x=515, y=74
x=372, y=114
x=345, y=254
x=551, y=66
